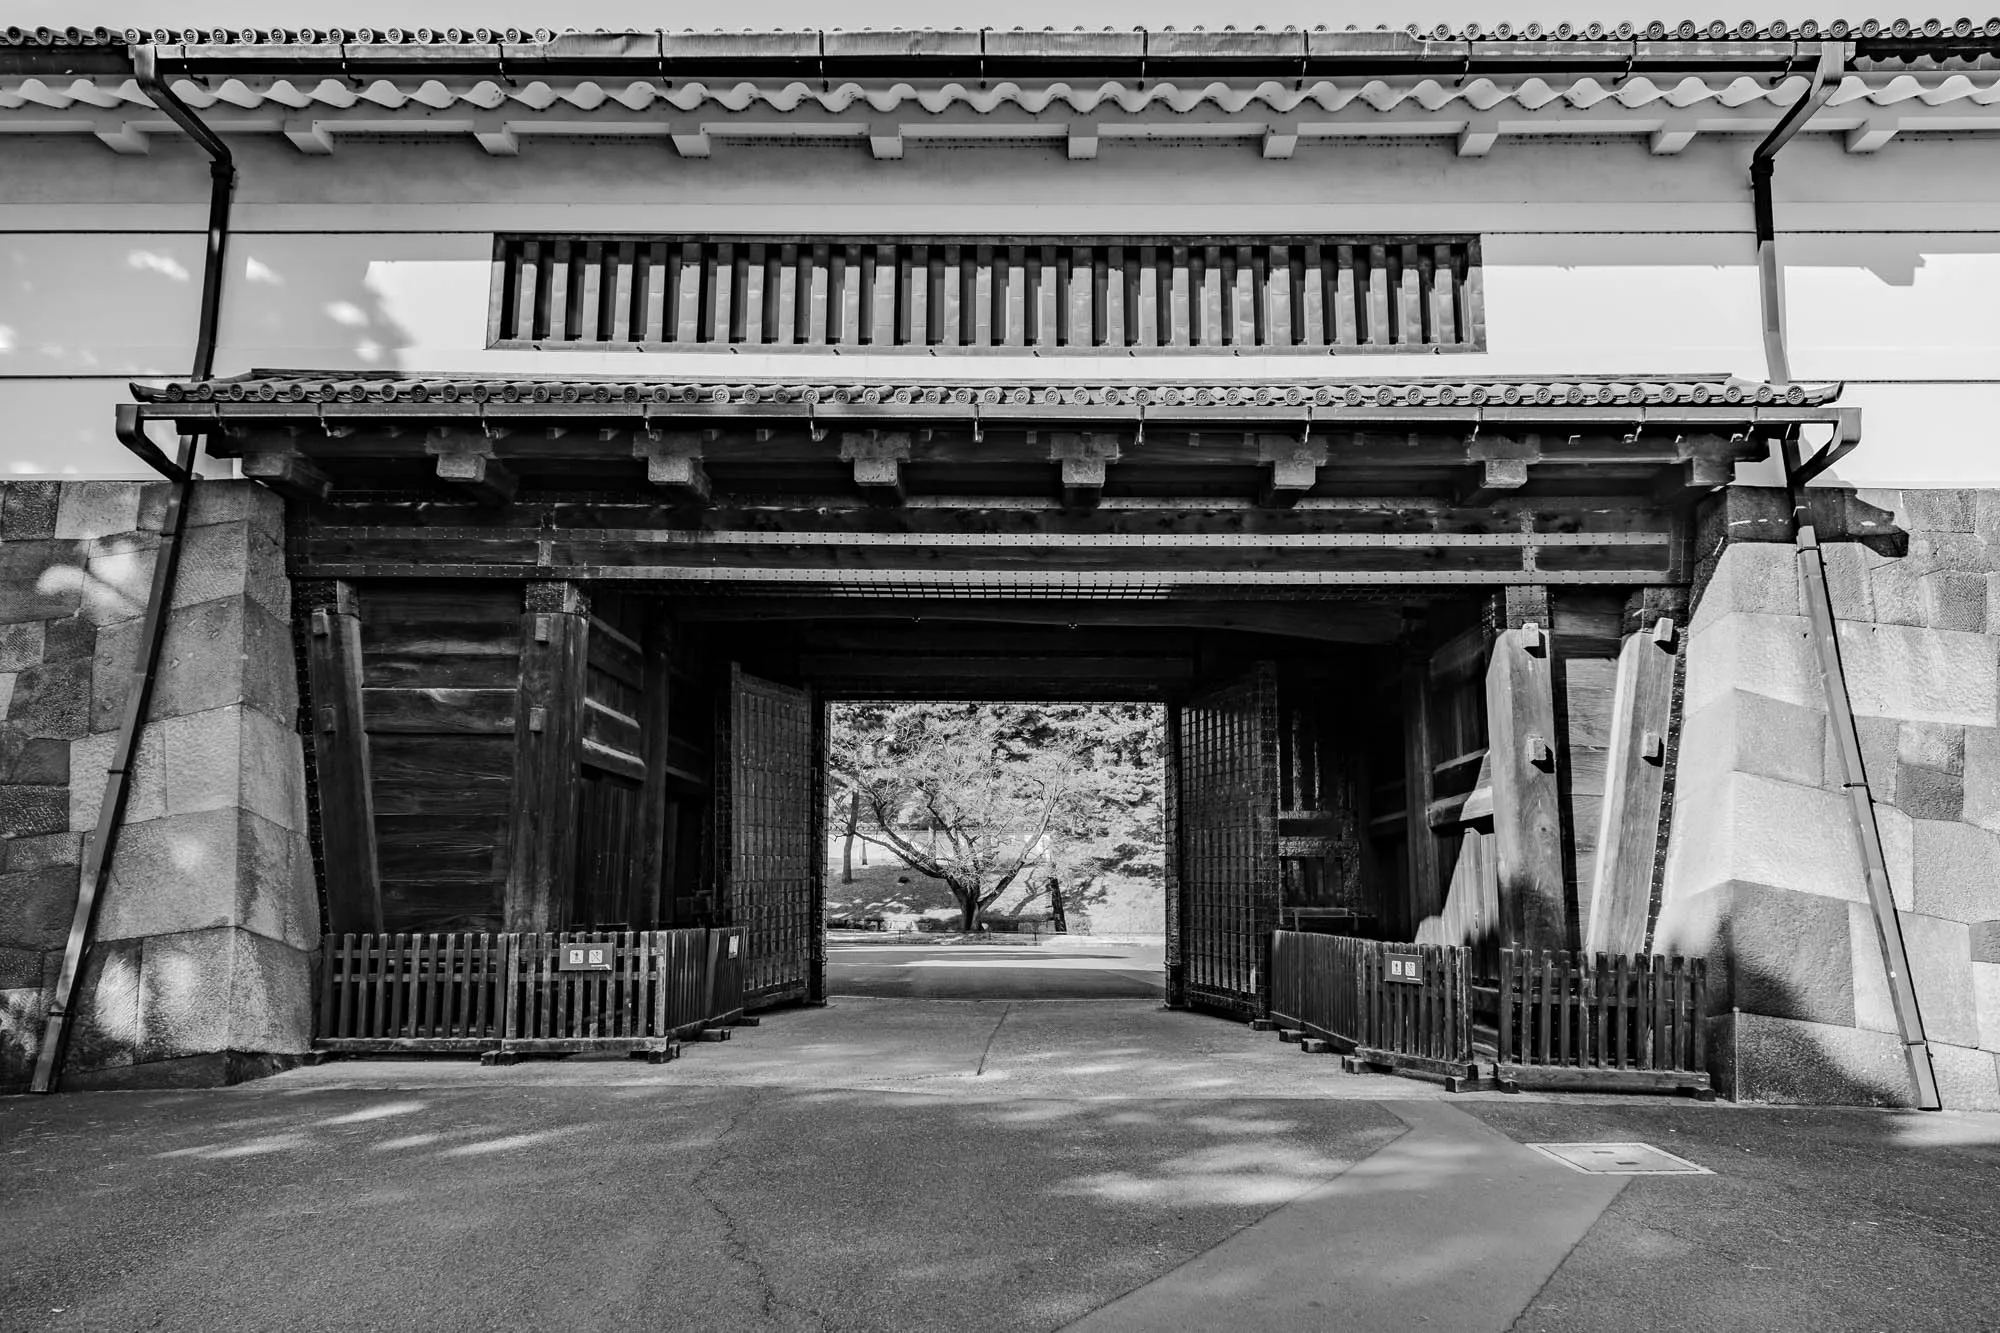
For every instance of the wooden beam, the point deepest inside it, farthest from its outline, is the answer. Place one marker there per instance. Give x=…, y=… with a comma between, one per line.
x=1426, y=895
x=1085, y=457
x=548, y=734
x=674, y=462
x=289, y=473
x=1527, y=816
x=654, y=826
x=1501, y=465
x=467, y=463
x=878, y=457
x=1635, y=785
x=1294, y=462
x=340, y=765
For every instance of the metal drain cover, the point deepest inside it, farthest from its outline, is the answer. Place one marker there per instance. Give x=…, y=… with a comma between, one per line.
x=1619, y=1159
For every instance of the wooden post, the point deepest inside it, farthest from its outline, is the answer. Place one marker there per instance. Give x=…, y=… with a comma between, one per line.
x=548, y=730
x=653, y=822
x=1527, y=819
x=340, y=761
x=1418, y=758
x=1635, y=783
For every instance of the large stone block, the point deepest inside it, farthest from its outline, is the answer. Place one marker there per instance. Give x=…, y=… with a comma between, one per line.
x=1986, y=999
x=1986, y=514
x=1968, y=1080
x=1783, y=1060
x=217, y=653
x=68, y=639
x=238, y=501
x=212, y=868
x=1921, y=675
x=47, y=596
x=1848, y=567
x=52, y=700
x=1940, y=954
x=1897, y=832
x=1955, y=599
x=1982, y=778
x=28, y=811
x=1769, y=951
x=236, y=756
x=1754, y=577
x=28, y=509
x=145, y=783
x=21, y=645
x=1942, y=510
x=1931, y=745
x=98, y=508
x=1741, y=731
x=21, y=1015
x=1957, y=871
x=105, y=1031
x=1765, y=654
x=21, y=967
x=118, y=586
x=1896, y=592
x=1741, y=827
x=33, y=761
x=1926, y=794
x=41, y=851
x=223, y=990
x=1874, y=1008
x=228, y=559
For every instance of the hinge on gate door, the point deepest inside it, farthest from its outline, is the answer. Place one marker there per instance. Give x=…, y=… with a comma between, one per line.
x=542, y=629
x=538, y=717
x=322, y=623
x=327, y=723
x=1541, y=754
x=1653, y=748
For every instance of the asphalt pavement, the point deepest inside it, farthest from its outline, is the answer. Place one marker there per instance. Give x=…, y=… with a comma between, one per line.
x=1056, y=967
x=1010, y=1164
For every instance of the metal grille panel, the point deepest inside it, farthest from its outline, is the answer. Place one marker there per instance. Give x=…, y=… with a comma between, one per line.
x=1263, y=294
x=772, y=826
x=1228, y=841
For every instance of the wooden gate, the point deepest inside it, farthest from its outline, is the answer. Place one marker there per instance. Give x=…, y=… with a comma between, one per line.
x=771, y=827
x=1227, y=774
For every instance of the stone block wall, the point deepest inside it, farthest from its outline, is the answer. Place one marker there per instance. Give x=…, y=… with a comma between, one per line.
x=1764, y=868
x=202, y=967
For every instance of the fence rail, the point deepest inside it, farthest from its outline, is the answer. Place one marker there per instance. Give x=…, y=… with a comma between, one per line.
x=1596, y=1020
x=1343, y=990
x=508, y=993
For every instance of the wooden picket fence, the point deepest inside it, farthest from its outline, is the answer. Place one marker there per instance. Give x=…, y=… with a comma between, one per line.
x=1602, y=1022
x=503, y=995
x=1343, y=991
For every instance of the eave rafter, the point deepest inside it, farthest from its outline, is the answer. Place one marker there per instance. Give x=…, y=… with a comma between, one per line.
x=1275, y=446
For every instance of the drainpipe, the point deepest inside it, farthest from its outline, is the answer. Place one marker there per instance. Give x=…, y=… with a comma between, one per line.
x=166, y=564
x=1818, y=595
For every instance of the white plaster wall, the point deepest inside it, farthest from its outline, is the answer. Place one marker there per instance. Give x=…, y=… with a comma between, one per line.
x=1599, y=259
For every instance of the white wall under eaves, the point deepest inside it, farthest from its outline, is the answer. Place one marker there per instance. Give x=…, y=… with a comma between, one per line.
x=1599, y=259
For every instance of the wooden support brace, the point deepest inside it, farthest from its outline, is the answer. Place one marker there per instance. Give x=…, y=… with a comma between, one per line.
x=1527, y=823
x=548, y=730
x=673, y=462
x=470, y=466
x=1085, y=457
x=1294, y=467
x=288, y=472
x=340, y=762
x=878, y=457
x=1502, y=462
x=885, y=140
x=1635, y=785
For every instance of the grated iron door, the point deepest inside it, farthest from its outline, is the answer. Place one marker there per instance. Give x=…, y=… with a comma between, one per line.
x=771, y=828
x=1227, y=775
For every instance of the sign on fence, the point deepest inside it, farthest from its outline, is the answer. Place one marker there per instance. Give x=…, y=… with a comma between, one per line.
x=587, y=957
x=1407, y=968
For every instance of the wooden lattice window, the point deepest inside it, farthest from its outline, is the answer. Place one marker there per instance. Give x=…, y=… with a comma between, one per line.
x=1262, y=294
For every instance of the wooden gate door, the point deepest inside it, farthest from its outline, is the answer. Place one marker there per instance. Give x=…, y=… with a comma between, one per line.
x=1228, y=887
x=771, y=830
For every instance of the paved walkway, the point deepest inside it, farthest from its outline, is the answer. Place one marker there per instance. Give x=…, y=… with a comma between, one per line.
x=1058, y=967
x=894, y=1164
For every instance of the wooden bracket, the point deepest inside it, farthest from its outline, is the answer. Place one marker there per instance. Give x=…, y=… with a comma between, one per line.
x=673, y=461
x=1085, y=457
x=878, y=457
x=1502, y=462
x=1540, y=753
x=1294, y=463
x=1666, y=634
x=469, y=464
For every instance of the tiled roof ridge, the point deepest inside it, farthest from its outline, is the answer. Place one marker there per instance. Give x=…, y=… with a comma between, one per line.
x=1684, y=30
x=1581, y=390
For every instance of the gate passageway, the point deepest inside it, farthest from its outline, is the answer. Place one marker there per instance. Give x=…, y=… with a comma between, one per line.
x=1066, y=967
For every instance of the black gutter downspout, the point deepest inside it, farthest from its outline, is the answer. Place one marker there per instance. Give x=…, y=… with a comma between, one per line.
x=166, y=564
x=1818, y=595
